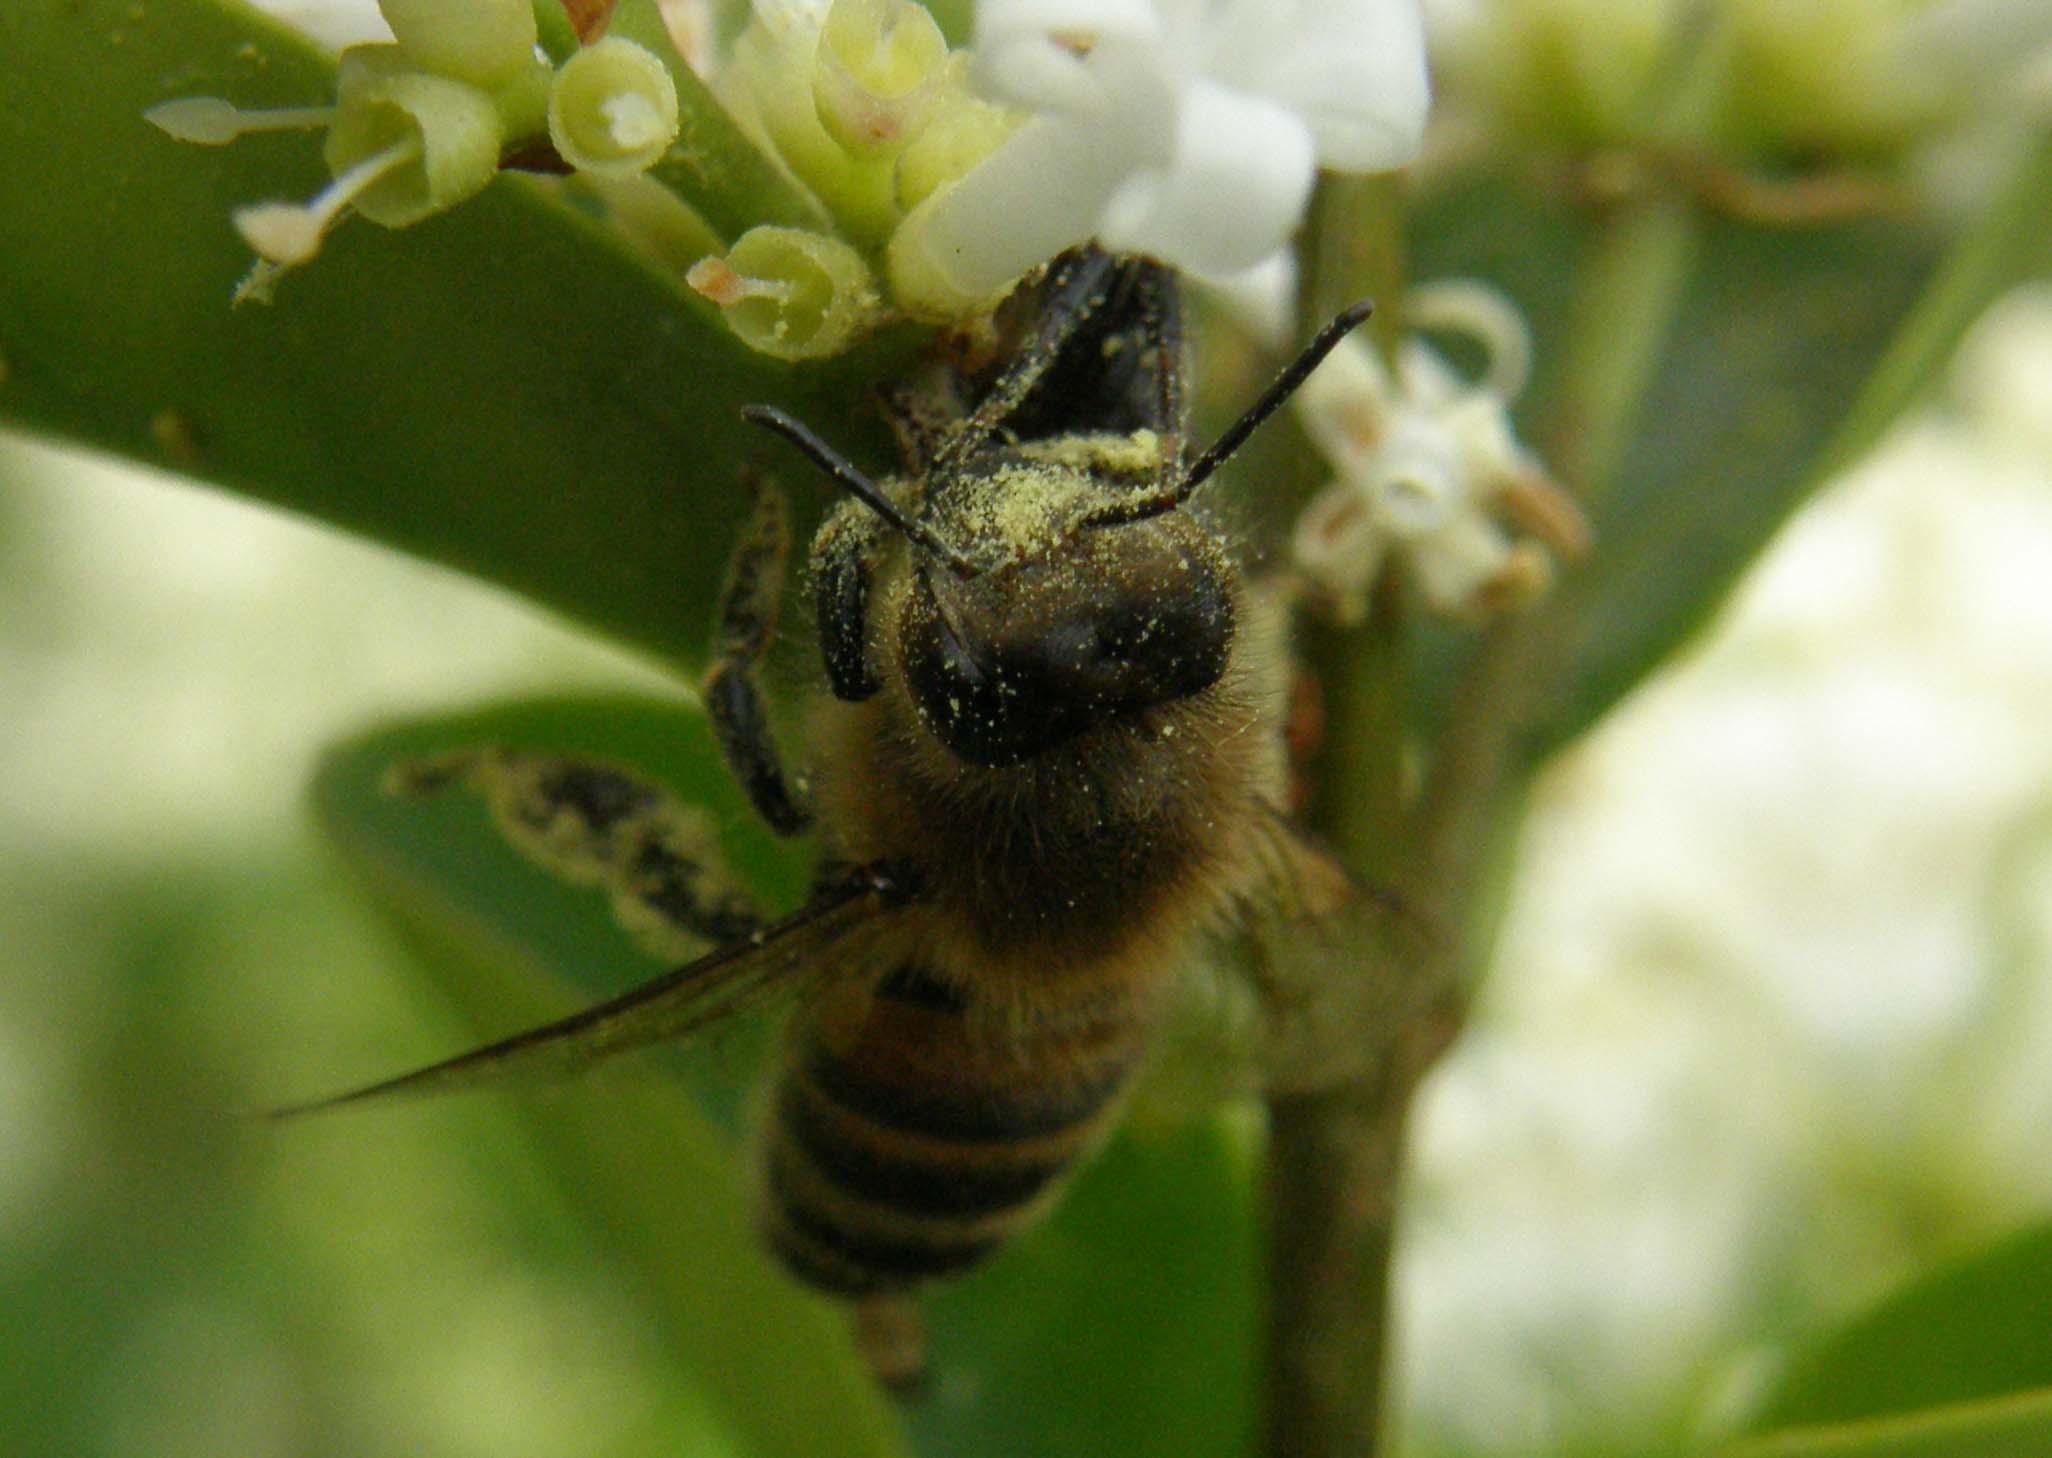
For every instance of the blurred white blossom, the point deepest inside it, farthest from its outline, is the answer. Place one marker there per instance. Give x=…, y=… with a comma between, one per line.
x=1765, y=1031
x=1746, y=81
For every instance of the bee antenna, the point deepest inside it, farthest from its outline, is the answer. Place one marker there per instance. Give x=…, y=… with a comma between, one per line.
x=1221, y=450
x=846, y=475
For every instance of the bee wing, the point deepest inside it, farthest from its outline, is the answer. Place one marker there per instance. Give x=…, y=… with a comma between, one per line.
x=1305, y=989
x=1337, y=964
x=740, y=975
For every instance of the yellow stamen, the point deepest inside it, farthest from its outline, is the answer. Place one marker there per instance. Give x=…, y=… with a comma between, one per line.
x=1542, y=507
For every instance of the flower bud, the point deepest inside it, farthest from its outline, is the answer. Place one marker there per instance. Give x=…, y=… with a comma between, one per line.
x=768, y=80
x=879, y=67
x=1829, y=77
x=1572, y=72
x=923, y=281
x=961, y=130
x=523, y=99
x=790, y=293
x=613, y=109
x=453, y=130
x=484, y=42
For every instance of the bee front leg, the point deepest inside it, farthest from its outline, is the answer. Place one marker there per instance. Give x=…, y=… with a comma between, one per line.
x=746, y=620
x=921, y=413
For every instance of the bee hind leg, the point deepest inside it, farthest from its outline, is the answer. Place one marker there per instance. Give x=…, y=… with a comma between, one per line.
x=595, y=824
x=890, y=1332
x=746, y=620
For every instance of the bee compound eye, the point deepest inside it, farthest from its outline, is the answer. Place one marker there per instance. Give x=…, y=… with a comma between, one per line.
x=1009, y=672
x=974, y=692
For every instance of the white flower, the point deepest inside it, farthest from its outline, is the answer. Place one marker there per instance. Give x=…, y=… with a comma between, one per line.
x=1429, y=466
x=1186, y=129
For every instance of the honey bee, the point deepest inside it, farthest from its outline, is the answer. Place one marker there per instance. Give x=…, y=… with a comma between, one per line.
x=1047, y=763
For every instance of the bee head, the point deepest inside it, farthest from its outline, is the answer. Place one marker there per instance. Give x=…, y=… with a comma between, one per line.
x=1056, y=585
x=1107, y=621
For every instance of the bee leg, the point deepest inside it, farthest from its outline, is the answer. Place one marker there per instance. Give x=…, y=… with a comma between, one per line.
x=741, y=636
x=921, y=415
x=890, y=1332
x=1073, y=290
x=597, y=825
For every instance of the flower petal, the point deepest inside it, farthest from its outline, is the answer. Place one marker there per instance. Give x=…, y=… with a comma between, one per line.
x=1455, y=564
x=1262, y=298
x=1417, y=480
x=1339, y=549
x=1353, y=69
x=1008, y=19
x=1026, y=52
x=1233, y=193
x=1347, y=403
x=336, y=23
x=1043, y=190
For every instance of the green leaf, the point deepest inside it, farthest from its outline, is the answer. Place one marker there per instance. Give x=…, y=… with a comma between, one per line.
x=1127, y=1324
x=481, y=890
x=1774, y=342
x=655, y=1177
x=1977, y=1330
x=2007, y=244
x=439, y=863
x=2013, y=1427
x=506, y=389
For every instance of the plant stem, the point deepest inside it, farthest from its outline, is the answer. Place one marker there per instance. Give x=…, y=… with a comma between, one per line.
x=1625, y=303
x=1335, y=1157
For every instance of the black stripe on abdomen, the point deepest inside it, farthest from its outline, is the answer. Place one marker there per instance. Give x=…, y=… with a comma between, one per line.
x=962, y=1185
x=919, y=1145
x=866, y=1255
x=965, y=1113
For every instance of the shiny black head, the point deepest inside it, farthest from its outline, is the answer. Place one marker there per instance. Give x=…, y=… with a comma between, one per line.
x=1008, y=664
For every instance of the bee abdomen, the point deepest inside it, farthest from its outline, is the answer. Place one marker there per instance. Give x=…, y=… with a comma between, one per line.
x=905, y=1143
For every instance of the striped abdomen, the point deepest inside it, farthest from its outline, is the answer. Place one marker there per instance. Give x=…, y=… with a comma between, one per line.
x=909, y=1138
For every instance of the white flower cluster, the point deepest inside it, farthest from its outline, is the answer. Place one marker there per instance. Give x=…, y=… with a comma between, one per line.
x=421, y=125
x=1429, y=467
x=1189, y=130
